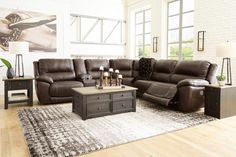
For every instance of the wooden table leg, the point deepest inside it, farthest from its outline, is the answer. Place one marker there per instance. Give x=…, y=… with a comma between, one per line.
x=5, y=95
x=30, y=93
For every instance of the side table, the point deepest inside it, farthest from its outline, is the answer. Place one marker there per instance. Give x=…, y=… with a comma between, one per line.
x=220, y=101
x=18, y=83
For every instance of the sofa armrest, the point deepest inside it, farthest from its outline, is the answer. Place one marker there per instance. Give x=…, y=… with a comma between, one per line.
x=44, y=78
x=193, y=82
x=83, y=77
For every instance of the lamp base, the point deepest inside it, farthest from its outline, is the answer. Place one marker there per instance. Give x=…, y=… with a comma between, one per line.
x=228, y=68
x=19, y=66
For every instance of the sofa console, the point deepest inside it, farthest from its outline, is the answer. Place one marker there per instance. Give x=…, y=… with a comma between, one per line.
x=171, y=82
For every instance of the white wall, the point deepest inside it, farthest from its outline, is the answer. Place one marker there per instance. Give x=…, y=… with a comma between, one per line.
x=63, y=8
x=218, y=19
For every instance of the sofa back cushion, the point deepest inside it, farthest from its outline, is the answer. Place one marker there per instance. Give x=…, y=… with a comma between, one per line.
x=135, y=68
x=93, y=65
x=57, y=69
x=190, y=70
x=125, y=66
x=79, y=66
x=162, y=70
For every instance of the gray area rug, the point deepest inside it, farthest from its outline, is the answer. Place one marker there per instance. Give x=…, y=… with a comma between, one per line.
x=56, y=131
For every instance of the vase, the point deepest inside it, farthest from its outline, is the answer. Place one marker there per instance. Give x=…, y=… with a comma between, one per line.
x=221, y=83
x=10, y=73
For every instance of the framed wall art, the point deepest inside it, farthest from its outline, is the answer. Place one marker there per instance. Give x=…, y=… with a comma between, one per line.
x=201, y=40
x=155, y=44
x=39, y=29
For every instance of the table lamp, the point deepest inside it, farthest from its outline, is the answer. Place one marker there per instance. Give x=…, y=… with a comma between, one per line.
x=19, y=48
x=226, y=50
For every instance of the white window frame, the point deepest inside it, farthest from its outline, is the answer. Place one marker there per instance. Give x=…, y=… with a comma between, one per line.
x=143, y=34
x=181, y=27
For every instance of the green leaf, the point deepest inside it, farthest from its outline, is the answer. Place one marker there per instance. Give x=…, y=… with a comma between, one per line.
x=6, y=63
x=220, y=77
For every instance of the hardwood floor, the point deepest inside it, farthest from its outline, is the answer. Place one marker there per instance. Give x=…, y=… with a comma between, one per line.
x=215, y=139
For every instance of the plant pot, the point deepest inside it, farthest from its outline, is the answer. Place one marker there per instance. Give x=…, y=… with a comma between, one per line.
x=221, y=83
x=10, y=73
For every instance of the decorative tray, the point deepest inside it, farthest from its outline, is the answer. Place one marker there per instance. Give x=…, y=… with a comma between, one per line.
x=110, y=87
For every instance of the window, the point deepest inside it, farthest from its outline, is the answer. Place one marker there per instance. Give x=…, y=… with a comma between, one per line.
x=96, y=30
x=180, y=29
x=143, y=33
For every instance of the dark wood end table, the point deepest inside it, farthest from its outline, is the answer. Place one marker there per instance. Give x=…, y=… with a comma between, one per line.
x=18, y=83
x=220, y=101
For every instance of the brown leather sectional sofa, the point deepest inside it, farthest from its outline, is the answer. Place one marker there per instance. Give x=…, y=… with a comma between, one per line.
x=179, y=83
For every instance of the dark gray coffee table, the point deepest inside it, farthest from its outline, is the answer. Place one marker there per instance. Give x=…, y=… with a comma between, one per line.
x=90, y=102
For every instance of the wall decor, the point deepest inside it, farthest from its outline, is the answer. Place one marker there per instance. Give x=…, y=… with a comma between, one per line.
x=201, y=40
x=155, y=44
x=38, y=29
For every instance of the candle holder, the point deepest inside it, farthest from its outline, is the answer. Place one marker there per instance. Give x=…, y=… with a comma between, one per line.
x=106, y=77
x=111, y=72
x=105, y=80
x=120, y=79
x=101, y=69
x=117, y=73
x=101, y=78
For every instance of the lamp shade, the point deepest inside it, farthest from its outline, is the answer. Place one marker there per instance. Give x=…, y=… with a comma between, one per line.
x=227, y=49
x=18, y=47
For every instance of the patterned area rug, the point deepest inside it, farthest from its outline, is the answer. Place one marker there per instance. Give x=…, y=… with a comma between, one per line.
x=56, y=131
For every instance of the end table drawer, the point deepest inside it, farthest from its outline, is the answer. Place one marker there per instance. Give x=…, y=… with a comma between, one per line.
x=122, y=95
x=98, y=108
x=14, y=85
x=99, y=97
x=122, y=105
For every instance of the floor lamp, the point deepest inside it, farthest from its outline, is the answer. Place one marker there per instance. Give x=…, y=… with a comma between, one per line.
x=226, y=50
x=19, y=48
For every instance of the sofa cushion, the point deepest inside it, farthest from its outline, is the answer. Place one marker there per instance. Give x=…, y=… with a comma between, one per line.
x=143, y=85
x=190, y=70
x=128, y=81
x=79, y=66
x=163, y=90
x=135, y=68
x=162, y=70
x=125, y=66
x=162, y=93
x=64, y=88
x=93, y=65
x=57, y=69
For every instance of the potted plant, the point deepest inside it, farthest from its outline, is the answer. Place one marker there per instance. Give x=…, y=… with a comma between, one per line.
x=221, y=80
x=10, y=72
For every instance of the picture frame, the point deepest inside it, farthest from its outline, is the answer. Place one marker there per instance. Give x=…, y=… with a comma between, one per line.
x=37, y=28
x=201, y=41
x=155, y=44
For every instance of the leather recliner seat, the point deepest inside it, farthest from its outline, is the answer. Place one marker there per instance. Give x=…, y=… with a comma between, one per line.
x=54, y=80
x=181, y=82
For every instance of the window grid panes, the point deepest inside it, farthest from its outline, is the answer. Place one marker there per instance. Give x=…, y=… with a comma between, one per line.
x=143, y=33
x=180, y=29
